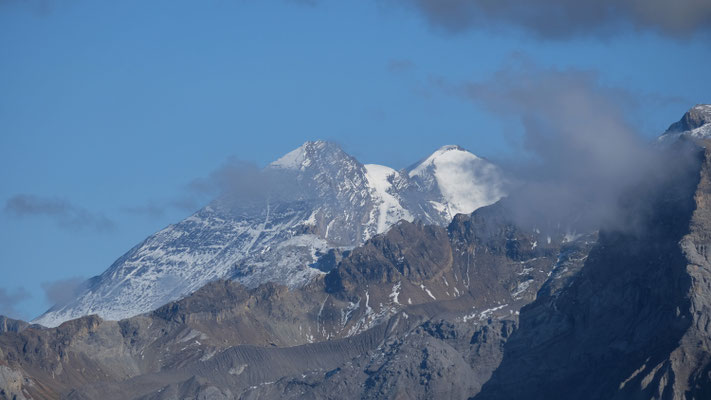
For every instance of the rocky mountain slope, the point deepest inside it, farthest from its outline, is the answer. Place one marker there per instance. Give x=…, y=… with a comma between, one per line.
x=634, y=323
x=455, y=291
x=695, y=124
x=318, y=202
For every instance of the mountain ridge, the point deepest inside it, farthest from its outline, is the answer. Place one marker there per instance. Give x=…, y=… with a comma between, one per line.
x=309, y=206
x=229, y=339
x=695, y=125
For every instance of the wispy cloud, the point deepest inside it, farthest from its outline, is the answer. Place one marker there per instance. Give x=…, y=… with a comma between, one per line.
x=64, y=213
x=63, y=290
x=150, y=210
x=581, y=151
x=238, y=183
x=189, y=201
x=235, y=183
x=561, y=19
x=10, y=300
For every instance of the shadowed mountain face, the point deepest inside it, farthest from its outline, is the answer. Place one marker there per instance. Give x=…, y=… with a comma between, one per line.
x=420, y=297
x=695, y=124
x=634, y=322
x=696, y=118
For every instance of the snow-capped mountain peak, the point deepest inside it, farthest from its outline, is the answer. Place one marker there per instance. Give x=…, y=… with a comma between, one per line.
x=309, y=155
x=282, y=237
x=294, y=159
x=466, y=181
x=429, y=161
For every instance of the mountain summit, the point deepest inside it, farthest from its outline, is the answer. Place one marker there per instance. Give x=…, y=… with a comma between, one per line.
x=463, y=179
x=321, y=202
x=695, y=124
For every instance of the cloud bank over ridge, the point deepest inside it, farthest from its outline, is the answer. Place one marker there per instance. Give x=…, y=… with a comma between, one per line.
x=579, y=155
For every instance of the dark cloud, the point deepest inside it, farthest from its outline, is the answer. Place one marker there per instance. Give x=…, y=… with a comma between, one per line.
x=64, y=213
x=62, y=291
x=561, y=19
x=578, y=152
x=9, y=301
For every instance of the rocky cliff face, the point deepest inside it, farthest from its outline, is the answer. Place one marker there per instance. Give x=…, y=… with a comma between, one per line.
x=633, y=322
x=11, y=325
x=695, y=124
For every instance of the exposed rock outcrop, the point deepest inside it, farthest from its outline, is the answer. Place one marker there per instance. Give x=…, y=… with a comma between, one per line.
x=633, y=324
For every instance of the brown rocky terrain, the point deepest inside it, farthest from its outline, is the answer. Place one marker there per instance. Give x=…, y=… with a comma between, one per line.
x=633, y=324
x=422, y=294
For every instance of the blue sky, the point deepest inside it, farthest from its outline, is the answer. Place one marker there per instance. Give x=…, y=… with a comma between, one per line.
x=108, y=110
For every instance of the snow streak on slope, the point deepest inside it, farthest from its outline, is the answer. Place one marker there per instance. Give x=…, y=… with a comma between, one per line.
x=283, y=240
x=388, y=209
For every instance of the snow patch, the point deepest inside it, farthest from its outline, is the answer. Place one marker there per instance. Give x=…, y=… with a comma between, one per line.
x=389, y=210
x=395, y=293
x=521, y=288
x=571, y=237
x=427, y=291
x=488, y=312
x=238, y=369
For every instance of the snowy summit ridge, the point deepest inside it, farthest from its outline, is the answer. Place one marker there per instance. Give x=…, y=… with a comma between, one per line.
x=284, y=238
